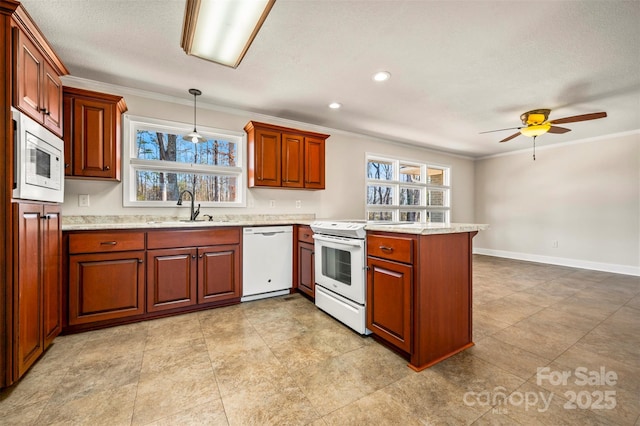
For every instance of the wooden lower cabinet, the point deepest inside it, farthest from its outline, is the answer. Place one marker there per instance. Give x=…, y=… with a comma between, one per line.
x=219, y=273
x=419, y=293
x=105, y=286
x=125, y=276
x=37, y=283
x=304, y=261
x=389, y=289
x=171, y=278
x=306, y=269
x=185, y=277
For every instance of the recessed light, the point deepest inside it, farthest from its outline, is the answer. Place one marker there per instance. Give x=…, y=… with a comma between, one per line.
x=382, y=76
x=335, y=105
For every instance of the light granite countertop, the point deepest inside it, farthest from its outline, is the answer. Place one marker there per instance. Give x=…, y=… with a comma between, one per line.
x=89, y=223
x=427, y=228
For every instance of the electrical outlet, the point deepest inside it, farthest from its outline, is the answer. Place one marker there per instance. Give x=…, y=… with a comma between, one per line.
x=272, y=203
x=83, y=200
x=554, y=244
x=298, y=204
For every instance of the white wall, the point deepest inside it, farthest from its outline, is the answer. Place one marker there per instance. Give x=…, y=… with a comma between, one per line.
x=585, y=196
x=343, y=197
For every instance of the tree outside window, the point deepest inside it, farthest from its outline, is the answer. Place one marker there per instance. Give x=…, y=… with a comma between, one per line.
x=162, y=164
x=406, y=191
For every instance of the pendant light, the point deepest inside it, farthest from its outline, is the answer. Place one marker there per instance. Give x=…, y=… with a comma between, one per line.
x=194, y=136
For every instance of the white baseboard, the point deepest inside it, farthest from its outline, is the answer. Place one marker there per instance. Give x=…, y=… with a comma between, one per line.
x=574, y=263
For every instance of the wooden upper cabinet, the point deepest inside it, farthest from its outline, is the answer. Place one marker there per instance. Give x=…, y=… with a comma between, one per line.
x=292, y=160
x=37, y=88
x=268, y=148
x=52, y=100
x=281, y=157
x=314, y=163
x=92, y=123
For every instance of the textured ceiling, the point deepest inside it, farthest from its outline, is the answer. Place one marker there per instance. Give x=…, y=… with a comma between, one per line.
x=458, y=67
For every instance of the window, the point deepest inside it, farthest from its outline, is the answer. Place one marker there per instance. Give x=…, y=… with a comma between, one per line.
x=159, y=164
x=406, y=191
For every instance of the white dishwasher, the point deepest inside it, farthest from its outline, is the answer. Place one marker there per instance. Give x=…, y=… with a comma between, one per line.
x=267, y=253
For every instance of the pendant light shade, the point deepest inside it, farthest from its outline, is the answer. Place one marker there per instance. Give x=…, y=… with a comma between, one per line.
x=194, y=136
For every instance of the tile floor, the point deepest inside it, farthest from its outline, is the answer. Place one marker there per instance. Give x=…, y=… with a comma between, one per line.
x=281, y=361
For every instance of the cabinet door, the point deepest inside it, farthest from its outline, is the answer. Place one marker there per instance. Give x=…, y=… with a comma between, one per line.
x=67, y=135
x=218, y=273
x=94, y=153
x=51, y=273
x=171, y=278
x=105, y=286
x=52, y=100
x=29, y=67
x=28, y=295
x=306, y=271
x=292, y=160
x=314, y=163
x=268, y=156
x=389, y=287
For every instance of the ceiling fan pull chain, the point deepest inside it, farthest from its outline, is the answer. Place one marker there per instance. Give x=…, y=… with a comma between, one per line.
x=534, y=148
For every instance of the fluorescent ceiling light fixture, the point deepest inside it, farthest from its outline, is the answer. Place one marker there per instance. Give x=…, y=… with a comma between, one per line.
x=335, y=105
x=222, y=30
x=382, y=76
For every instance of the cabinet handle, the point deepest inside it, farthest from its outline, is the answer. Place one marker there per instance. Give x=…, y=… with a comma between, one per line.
x=193, y=256
x=306, y=235
x=107, y=168
x=140, y=261
x=201, y=256
x=44, y=111
x=45, y=217
x=387, y=249
x=108, y=243
x=66, y=165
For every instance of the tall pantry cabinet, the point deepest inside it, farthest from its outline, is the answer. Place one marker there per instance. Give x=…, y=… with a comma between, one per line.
x=30, y=252
x=37, y=280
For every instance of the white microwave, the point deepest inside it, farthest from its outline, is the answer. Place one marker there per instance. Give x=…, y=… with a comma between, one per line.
x=38, y=172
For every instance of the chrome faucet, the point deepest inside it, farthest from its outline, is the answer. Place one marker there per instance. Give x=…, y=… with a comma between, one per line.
x=194, y=213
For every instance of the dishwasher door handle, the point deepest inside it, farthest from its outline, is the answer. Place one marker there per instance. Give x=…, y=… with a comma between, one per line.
x=269, y=234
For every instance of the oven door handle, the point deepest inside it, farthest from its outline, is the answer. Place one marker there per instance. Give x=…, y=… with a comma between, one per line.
x=338, y=240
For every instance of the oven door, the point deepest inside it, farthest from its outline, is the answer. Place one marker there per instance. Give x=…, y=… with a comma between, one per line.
x=340, y=266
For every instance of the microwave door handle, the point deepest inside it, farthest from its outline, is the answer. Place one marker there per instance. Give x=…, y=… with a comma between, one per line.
x=343, y=241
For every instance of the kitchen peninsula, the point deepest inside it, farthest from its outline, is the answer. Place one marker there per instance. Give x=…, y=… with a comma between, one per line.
x=418, y=281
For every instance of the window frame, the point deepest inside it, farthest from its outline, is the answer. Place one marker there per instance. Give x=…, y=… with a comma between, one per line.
x=395, y=208
x=131, y=164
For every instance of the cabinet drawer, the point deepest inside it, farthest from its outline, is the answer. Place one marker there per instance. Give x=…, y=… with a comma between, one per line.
x=305, y=234
x=391, y=248
x=102, y=242
x=192, y=237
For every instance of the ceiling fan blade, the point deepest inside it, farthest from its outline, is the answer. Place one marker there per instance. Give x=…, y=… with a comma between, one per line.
x=576, y=118
x=510, y=137
x=556, y=129
x=500, y=130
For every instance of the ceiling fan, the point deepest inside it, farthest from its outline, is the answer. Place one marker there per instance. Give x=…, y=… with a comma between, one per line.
x=536, y=122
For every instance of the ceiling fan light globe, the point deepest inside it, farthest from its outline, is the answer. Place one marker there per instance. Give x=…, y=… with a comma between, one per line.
x=535, y=130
